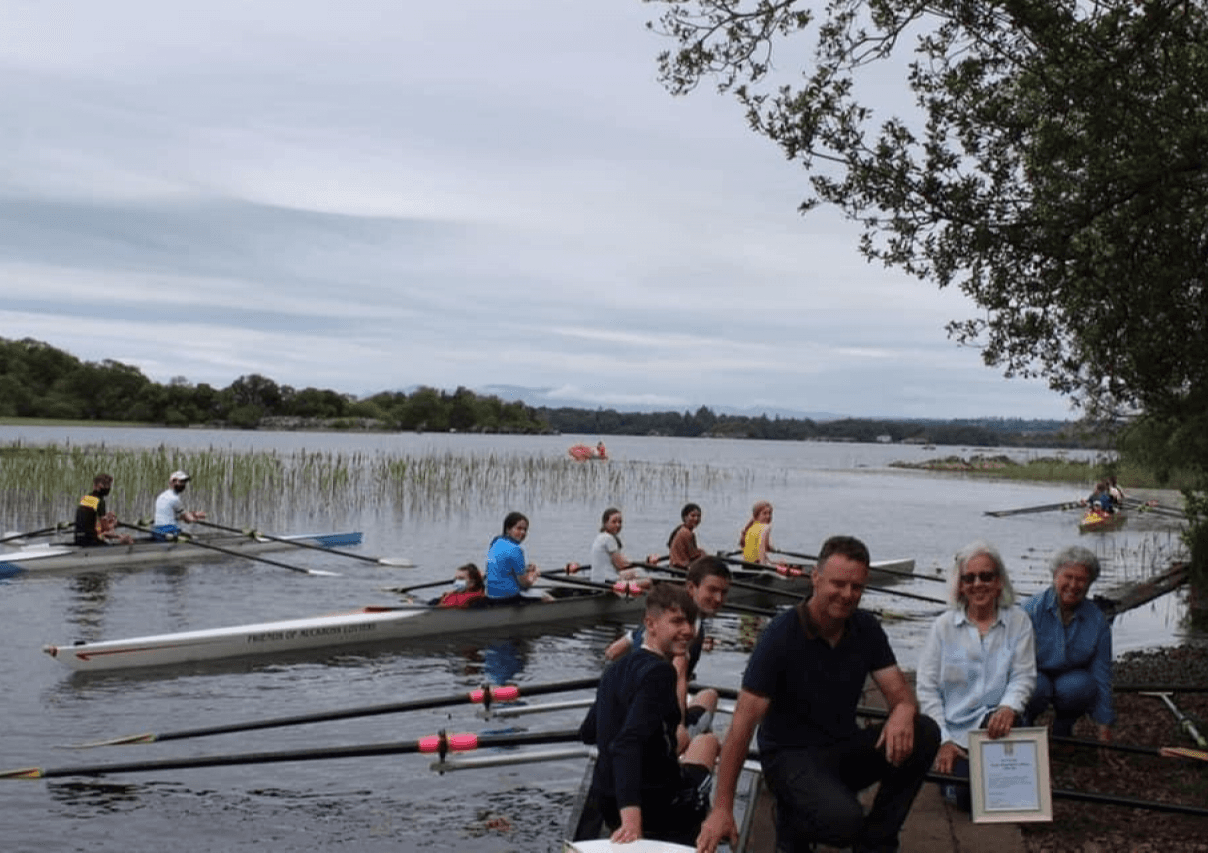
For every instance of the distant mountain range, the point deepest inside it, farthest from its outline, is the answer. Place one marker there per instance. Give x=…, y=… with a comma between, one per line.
x=544, y=397
x=551, y=398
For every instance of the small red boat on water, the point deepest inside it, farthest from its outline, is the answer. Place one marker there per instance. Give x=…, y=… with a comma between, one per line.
x=583, y=452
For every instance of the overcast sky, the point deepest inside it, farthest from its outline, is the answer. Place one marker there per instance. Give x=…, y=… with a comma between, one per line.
x=372, y=195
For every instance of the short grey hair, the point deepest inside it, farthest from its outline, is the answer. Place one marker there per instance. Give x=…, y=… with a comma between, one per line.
x=979, y=548
x=1075, y=555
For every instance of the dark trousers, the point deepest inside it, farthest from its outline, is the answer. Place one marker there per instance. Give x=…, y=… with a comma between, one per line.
x=816, y=791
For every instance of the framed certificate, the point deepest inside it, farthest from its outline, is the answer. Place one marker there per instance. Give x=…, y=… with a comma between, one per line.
x=1009, y=777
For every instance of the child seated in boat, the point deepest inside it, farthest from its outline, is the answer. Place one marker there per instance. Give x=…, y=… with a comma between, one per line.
x=468, y=589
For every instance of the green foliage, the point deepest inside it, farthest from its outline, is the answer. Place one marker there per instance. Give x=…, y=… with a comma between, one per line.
x=39, y=381
x=1052, y=166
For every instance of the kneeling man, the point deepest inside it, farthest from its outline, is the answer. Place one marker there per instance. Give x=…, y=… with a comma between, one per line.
x=640, y=786
x=803, y=683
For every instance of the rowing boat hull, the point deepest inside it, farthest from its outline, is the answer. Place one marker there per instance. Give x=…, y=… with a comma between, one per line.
x=1095, y=522
x=75, y=558
x=370, y=625
x=367, y=625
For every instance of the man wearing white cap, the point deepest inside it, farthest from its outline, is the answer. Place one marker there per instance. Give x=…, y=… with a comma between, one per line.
x=170, y=509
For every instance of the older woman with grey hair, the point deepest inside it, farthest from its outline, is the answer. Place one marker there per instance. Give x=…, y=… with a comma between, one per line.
x=1073, y=647
x=978, y=665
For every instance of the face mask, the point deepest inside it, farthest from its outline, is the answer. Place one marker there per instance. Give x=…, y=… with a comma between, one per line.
x=459, y=585
x=179, y=487
x=104, y=493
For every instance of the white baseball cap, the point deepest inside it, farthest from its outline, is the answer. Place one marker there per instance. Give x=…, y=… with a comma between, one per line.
x=179, y=476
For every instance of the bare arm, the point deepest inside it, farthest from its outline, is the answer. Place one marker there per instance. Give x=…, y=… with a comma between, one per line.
x=620, y=647
x=720, y=823
x=898, y=734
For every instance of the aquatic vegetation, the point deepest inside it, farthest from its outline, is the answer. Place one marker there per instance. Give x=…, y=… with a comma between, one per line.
x=44, y=482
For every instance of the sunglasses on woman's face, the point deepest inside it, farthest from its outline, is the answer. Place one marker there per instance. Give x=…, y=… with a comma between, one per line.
x=984, y=577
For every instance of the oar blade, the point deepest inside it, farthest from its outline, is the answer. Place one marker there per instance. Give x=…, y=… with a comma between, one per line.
x=22, y=773
x=1183, y=752
x=128, y=740
x=397, y=562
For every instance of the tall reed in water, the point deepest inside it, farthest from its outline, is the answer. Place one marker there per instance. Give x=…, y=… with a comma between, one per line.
x=42, y=484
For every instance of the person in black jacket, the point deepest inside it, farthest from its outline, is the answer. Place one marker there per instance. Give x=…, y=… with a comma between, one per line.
x=642, y=787
x=94, y=525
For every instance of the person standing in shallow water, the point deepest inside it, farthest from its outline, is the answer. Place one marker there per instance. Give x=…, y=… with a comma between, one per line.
x=507, y=573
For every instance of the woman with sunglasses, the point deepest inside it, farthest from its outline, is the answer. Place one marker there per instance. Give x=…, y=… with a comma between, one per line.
x=978, y=667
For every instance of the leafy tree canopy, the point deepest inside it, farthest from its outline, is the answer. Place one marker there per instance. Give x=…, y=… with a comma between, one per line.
x=1050, y=162
x=1052, y=165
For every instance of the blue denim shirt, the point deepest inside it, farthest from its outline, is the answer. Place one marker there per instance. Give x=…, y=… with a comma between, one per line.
x=1086, y=643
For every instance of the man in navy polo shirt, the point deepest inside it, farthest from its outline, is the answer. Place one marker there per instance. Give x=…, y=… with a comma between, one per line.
x=801, y=687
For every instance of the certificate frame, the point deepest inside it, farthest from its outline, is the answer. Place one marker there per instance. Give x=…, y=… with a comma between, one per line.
x=1009, y=780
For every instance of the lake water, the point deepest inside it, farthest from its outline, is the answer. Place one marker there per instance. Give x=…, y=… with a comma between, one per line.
x=396, y=803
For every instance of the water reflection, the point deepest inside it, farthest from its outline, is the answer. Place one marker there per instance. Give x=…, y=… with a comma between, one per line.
x=504, y=660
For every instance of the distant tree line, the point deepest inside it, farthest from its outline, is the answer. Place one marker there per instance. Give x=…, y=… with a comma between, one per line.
x=984, y=432
x=40, y=381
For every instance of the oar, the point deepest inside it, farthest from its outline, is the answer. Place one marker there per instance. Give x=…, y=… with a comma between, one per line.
x=759, y=567
x=441, y=744
x=1184, y=723
x=62, y=525
x=809, y=557
x=1089, y=797
x=883, y=571
x=486, y=695
x=999, y=513
x=186, y=538
x=403, y=590
x=401, y=562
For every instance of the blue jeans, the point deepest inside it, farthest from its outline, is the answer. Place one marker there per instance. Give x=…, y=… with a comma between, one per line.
x=817, y=788
x=1072, y=694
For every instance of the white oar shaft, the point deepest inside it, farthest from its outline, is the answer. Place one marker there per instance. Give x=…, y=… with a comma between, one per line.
x=529, y=757
x=521, y=710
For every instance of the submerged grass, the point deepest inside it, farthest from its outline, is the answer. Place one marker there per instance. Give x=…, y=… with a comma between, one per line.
x=44, y=482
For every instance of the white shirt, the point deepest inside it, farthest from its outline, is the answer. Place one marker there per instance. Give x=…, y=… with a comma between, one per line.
x=963, y=676
x=602, y=569
x=168, y=507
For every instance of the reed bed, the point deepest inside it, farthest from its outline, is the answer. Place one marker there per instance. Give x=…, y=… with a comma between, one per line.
x=43, y=483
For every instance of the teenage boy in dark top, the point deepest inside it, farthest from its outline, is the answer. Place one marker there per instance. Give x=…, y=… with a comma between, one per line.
x=707, y=582
x=93, y=523
x=801, y=687
x=640, y=786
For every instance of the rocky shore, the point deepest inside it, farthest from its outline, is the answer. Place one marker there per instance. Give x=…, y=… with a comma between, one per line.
x=1143, y=720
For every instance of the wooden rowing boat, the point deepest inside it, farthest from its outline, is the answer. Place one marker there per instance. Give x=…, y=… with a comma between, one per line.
x=55, y=557
x=1096, y=521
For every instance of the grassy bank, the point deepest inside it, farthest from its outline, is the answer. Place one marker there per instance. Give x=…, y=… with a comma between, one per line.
x=1051, y=469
